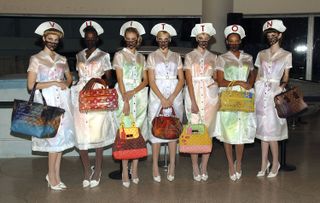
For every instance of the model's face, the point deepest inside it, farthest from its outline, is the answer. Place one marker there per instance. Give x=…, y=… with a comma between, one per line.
x=91, y=39
x=163, y=40
x=203, y=40
x=273, y=38
x=233, y=42
x=51, y=41
x=131, y=40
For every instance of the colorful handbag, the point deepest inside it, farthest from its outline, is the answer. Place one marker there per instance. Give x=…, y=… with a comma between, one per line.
x=97, y=99
x=231, y=100
x=129, y=143
x=195, y=139
x=290, y=103
x=34, y=119
x=166, y=127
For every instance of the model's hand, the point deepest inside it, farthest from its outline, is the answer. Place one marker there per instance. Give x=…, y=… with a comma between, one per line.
x=165, y=103
x=245, y=85
x=128, y=95
x=126, y=108
x=194, y=107
x=63, y=85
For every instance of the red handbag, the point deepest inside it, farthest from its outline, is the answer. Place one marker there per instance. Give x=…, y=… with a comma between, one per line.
x=129, y=143
x=290, y=103
x=97, y=99
x=166, y=127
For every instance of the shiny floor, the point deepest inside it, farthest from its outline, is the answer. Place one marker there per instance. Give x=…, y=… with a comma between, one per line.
x=23, y=180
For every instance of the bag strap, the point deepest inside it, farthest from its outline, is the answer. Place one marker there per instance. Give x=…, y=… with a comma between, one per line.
x=31, y=99
x=133, y=123
x=200, y=118
x=92, y=81
x=173, y=112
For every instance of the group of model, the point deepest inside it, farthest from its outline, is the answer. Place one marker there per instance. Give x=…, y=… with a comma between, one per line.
x=192, y=86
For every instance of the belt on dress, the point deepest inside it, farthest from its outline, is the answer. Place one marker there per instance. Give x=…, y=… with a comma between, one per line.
x=131, y=80
x=269, y=80
x=202, y=78
x=166, y=78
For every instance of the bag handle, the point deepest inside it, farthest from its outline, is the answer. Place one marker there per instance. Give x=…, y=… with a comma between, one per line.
x=200, y=118
x=173, y=112
x=92, y=81
x=31, y=99
x=133, y=123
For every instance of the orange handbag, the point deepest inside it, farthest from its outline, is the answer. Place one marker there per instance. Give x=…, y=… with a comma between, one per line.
x=97, y=99
x=166, y=127
x=129, y=143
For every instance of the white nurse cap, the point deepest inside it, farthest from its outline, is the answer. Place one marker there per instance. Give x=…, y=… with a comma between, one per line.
x=203, y=28
x=163, y=27
x=237, y=29
x=89, y=23
x=133, y=24
x=48, y=25
x=274, y=24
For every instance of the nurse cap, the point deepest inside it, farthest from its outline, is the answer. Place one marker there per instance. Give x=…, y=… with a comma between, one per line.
x=89, y=23
x=203, y=28
x=163, y=27
x=237, y=29
x=274, y=24
x=133, y=24
x=48, y=25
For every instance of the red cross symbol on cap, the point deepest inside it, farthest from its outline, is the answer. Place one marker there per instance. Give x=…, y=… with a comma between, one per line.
x=234, y=28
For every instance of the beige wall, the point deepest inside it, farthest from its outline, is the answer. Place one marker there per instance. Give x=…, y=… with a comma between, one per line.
x=276, y=6
x=102, y=7
x=215, y=11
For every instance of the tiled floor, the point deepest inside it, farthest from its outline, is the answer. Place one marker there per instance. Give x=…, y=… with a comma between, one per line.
x=22, y=180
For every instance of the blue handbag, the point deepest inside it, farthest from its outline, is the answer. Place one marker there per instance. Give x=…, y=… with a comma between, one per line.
x=34, y=119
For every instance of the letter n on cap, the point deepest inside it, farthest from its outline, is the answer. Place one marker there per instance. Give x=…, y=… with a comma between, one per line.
x=269, y=23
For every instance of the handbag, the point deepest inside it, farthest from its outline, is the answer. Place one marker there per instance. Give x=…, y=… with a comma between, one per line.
x=231, y=100
x=290, y=103
x=33, y=119
x=97, y=99
x=195, y=139
x=166, y=127
x=129, y=143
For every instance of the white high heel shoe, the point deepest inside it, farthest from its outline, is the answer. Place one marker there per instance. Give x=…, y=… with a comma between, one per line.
x=62, y=185
x=53, y=187
x=157, y=179
x=238, y=175
x=134, y=180
x=94, y=183
x=262, y=173
x=169, y=177
x=126, y=184
x=271, y=174
x=86, y=183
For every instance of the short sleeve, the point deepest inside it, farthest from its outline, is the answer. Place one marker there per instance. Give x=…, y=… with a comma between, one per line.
x=250, y=61
x=258, y=62
x=77, y=58
x=33, y=65
x=180, y=65
x=288, y=63
x=144, y=63
x=187, y=62
x=150, y=62
x=106, y=62
x=66, y=65
x=220, y=63
x=117, y=61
